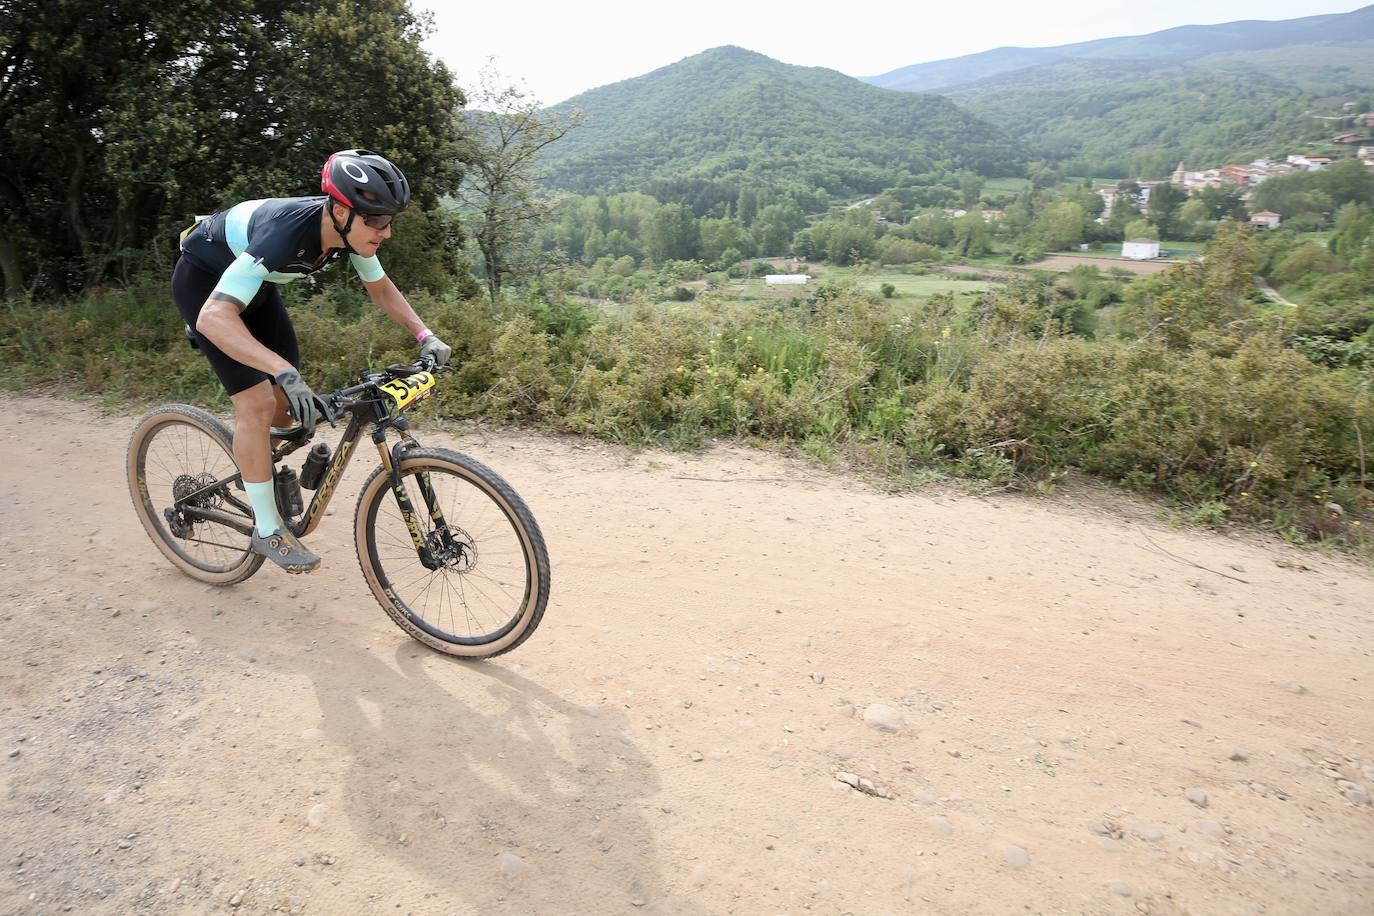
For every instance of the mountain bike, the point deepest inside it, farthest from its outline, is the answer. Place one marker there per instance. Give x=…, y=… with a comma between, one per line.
x=447, y=547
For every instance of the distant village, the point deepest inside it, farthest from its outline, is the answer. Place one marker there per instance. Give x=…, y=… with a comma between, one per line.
x=1248, y=176
x=1244, y=177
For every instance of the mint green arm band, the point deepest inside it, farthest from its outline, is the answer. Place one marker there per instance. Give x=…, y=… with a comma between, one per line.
x=370, y=269
x=243, y=278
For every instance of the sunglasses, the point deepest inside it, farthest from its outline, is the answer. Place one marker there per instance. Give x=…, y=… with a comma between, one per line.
x=377, y=220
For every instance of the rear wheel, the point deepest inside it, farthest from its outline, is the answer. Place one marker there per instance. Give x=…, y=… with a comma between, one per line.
x=176, y=453
x=491, y=582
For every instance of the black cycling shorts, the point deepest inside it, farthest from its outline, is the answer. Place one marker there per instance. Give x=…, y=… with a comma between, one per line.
x=265, y=318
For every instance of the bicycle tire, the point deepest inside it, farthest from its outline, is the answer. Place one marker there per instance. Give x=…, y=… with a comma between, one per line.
x=206, y=452
x=481, y=510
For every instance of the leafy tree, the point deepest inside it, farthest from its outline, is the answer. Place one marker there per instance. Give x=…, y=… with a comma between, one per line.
x=970, y=188
x=1222, y=201
x=775, y=226
x=933, y=228
x=503, y=135
x=1061, y=225
x=1165, y=201
x=971, y=235
x=120, y=120
x=1141, y=229
x=1203, y=304
x=1354, y=227
x=717, y=237
x=673, y=234
x=1294, y=196
x=1346, y=182
x=1305, y=262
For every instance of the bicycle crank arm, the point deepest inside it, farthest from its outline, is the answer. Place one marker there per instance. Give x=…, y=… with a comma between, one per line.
x=238, y=523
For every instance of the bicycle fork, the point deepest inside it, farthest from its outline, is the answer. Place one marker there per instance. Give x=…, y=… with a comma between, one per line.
x=443, y=537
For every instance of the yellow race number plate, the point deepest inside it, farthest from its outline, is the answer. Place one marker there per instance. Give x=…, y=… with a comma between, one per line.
x=406, y=391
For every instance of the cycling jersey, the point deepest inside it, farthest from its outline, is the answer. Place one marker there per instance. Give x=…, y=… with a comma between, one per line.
x=275, y=240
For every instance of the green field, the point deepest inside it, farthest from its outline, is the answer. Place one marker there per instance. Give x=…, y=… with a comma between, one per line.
x=1112, y=250
x=908, y=286
x=1005, y=185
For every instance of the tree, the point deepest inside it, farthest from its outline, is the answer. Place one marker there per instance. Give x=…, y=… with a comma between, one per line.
x=1165, y=201
x=673, y=234
x=1140, y=229
x=1346, y=182
x=775, y=226
x=1222, y=201
x=971, y=235
x=503, y=133
x=120, y=120
x=1061, y=225
x=970, y=188
x=1204, y=302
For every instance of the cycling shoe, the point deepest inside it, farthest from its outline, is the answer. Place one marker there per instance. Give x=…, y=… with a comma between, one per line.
x=283, y=548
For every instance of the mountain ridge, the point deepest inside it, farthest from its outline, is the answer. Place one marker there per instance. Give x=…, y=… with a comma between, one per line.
x=1172, y=44
x=731, y=113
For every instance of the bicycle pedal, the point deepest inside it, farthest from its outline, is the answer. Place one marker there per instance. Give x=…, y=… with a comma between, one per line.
x=174, y=524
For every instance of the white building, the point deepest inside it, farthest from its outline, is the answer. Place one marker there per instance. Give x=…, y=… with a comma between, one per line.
x=785, y=279
x=1140, y=250
x=1265, y=219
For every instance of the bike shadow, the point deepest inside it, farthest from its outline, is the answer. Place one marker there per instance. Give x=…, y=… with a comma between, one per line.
x=491, y=790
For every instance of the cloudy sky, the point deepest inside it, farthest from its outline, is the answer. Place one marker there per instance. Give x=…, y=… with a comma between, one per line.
x=562, y=48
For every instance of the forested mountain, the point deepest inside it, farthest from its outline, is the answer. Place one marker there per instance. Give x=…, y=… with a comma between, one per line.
x=1141, y=118
x=731, y=114
x=1137, y=106
x=1171, y=45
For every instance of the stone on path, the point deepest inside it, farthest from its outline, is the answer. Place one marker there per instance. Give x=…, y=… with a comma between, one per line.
x=315, y=816
x=1017, y=857
x=1147, y=832
x=1120, y=887
x=1210, y=828
x=883, y=717
x=512, y=866
x=941, y=824
x=1197, y=797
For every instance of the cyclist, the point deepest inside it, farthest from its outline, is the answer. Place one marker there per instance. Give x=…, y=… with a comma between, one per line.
x=240, y=322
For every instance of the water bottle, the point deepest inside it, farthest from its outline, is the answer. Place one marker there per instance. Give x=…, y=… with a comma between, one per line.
x=288, y=488
x=314, y=466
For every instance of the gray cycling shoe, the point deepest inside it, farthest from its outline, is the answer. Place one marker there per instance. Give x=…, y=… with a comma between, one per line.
x=283, y=548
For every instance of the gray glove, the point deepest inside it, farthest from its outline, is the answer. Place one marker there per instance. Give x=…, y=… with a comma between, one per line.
x=300, y=400
x=436, y=350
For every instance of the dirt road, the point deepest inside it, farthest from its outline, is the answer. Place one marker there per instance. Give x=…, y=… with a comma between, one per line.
x=1047, y=706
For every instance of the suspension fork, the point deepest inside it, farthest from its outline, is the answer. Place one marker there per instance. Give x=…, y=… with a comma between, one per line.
x=391, y=461
x=436, y=511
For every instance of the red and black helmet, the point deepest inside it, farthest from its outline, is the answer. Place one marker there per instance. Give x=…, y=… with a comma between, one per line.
x=364, y=181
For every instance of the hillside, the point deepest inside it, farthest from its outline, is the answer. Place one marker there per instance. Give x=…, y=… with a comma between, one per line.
x=729, y=112
x=1170, y=45
x=1143, y=117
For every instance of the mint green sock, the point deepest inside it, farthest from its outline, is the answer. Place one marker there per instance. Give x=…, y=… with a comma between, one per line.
x=263, y=498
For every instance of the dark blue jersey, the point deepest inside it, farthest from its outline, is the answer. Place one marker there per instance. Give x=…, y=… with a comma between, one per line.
x=275, y=240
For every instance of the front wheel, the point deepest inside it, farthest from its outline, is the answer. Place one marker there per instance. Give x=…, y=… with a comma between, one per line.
x=489, y=583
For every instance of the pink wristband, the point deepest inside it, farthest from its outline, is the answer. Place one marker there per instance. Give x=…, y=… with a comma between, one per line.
x=426, y=332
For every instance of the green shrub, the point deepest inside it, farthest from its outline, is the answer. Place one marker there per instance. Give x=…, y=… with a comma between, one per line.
x=1218, y=414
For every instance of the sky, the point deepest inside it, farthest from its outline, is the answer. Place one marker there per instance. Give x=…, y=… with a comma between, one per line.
x=559, y=49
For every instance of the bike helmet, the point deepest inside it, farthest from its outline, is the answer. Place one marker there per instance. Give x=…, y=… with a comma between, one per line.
x=364, y=181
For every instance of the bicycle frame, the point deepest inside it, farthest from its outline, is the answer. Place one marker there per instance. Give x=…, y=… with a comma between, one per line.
x=361, y=414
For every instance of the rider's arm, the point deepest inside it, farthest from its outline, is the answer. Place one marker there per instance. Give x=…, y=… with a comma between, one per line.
x=219, y=319
x=389, y=299
x=219, y=322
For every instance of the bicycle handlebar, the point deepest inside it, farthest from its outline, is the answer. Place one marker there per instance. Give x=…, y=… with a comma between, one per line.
x=336, y=403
